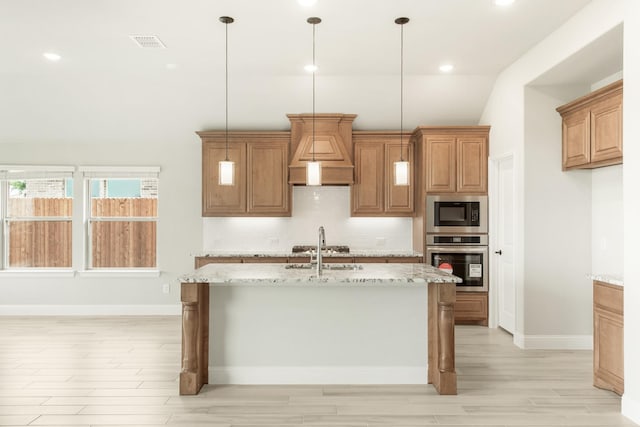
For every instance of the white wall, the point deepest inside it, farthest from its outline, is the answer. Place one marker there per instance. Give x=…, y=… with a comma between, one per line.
x=631, y=179
x=179, y=232
x=607, y=221
x=557, y=232
x=319, y=335
x=328, y=206
x=505, y=111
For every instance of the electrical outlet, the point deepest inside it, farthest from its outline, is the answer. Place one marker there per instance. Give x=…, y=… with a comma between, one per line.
x=166, y=288
x=380, y=241
x=274, y=241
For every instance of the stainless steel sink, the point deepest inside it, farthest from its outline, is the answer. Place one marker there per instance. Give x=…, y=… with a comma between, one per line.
x=308, y=266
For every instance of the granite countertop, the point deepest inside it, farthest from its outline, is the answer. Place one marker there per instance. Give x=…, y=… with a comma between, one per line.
x=351, y=254
x=278, y=274
x=612, y=279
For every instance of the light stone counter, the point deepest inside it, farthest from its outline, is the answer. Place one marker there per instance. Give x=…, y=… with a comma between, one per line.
x=612, y=279
x=279, y=275
x=350, y=254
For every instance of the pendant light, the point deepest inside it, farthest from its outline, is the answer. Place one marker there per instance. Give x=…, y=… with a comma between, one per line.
x=314, y=170
x=226, y=167
x=401, y=168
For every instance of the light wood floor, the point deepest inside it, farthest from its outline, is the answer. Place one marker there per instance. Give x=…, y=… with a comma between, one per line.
x=115, y=371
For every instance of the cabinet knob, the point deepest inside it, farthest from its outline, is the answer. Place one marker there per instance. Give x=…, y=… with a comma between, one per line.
x=498, y=252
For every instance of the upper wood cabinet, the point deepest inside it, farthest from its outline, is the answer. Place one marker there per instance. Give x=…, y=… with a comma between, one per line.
x=455, y=158
x=261, y=174
x=592, y=129
x=373, y=192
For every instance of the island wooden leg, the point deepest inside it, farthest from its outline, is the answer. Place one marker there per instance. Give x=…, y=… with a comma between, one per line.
x=441, y=337
x=195, y=337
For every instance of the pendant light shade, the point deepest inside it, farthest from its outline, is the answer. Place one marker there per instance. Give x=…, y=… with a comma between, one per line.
x=314, y=173
x=314, y=169
x=401, y=168
x=226, y=172
x=226, y=168
x=401, y=173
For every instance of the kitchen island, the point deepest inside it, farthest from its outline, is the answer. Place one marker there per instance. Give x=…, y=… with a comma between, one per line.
x=341, y=317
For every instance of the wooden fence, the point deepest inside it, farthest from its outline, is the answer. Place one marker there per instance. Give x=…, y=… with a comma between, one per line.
x=115, y=244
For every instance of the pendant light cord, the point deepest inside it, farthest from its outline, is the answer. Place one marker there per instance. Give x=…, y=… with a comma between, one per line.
x=401, y=87
x=313, y=112
x=226, y=91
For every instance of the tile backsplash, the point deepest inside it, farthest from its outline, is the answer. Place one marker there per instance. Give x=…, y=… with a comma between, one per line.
x=328, y=206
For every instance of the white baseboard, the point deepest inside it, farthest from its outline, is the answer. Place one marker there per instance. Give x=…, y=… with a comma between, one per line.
x=518, y=339
x=554, y=342
x=318, y=375
x=90, y=310
x=631, y=409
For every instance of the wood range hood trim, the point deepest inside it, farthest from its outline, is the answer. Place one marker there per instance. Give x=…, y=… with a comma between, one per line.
x=333, y=147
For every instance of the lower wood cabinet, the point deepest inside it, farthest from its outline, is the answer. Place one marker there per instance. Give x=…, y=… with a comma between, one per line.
x=472, y=308
x=204, y=260
x=608, y=337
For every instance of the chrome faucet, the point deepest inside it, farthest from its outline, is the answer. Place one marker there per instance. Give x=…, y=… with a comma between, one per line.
x=321, y=243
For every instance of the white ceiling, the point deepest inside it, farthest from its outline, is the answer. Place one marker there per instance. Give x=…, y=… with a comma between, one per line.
x=106, y=89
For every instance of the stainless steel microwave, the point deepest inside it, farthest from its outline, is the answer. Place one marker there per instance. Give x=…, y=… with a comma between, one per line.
x=457, y=214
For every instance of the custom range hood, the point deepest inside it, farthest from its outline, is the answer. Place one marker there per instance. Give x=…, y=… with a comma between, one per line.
x=333, y=147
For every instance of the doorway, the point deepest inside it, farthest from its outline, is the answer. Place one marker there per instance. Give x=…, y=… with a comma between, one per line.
x=502, y=250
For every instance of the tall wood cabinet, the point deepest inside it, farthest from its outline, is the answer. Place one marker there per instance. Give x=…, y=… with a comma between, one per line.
x=373, y=192
x=592, y=129
x=261, y=170
x=455, y=158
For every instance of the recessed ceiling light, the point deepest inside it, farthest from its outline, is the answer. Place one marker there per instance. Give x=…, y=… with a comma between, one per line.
x=503, y=2
x=171, y=66
x=446, y=68
x=52, y=56
x=307, y=2
x=310, y=68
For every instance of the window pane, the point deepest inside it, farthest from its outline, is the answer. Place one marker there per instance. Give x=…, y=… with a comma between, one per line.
x=123, y=244
x=40, y=197
x=34, y=243
x=39, y=244
x=124, y=197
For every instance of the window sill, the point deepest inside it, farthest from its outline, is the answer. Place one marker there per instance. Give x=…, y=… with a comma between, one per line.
x=36, y=273
x=119, y=273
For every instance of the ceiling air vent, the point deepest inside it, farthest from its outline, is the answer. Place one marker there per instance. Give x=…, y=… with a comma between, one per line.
x=148, y=42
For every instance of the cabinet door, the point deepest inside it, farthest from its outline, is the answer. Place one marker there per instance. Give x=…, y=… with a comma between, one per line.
x=223, y=200
x=606, y=129
x=608, y=337
x=608, y=360
x=472, y=165
x=367, y=196
x=471, y=308
x=398, y=199
x=575, y=139
x=441, y=164
x=268, y=192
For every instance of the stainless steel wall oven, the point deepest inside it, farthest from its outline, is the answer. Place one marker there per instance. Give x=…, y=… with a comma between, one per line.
x=465, y=256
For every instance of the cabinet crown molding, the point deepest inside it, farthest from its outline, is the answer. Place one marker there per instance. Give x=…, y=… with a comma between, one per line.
x=591, y=97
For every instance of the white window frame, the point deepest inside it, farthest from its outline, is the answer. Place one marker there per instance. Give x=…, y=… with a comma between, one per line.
x=114, y=172
x=23, y=172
